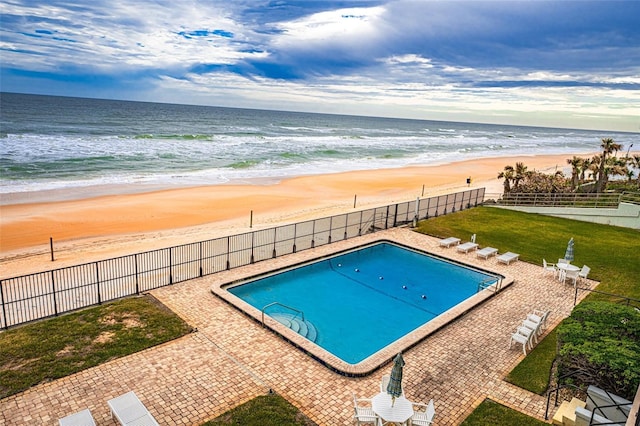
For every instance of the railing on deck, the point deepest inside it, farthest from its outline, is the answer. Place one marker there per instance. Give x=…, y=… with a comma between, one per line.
x=44, y=294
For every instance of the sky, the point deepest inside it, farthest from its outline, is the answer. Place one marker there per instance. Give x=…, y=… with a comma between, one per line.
x=570, y=64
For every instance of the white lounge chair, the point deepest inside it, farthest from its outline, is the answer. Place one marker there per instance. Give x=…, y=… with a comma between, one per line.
x=487, y=252
x=467, y=247
x=508, y=257
x=448, y=242
x=129, y=410
x=81, y=418
x=584, y=272
x=364, y=412
x=549, y=267
x=423, y=414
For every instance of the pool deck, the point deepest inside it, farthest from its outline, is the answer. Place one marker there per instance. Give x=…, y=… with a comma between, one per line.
x=230, y=359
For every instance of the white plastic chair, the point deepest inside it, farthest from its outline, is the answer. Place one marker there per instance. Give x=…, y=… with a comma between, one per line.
x=571, y=276
x=364, y=414
x=423, y=414
x=584, y=272
x=539, y=317
x=522, y=336
x=549, y=267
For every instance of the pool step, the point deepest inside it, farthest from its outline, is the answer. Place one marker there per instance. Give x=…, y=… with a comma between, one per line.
x=295, y=323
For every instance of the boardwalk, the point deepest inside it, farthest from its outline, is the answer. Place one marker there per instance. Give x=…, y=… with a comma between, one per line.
x=231, y=359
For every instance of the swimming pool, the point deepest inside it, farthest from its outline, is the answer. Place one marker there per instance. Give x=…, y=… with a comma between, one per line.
x=355, y=304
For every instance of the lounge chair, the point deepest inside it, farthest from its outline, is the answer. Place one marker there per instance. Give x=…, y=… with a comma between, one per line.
x=487, y=252
x=423, y=414
x=508, y=257
x=129, y=410
x=467, y=247
x=81, y=418
x=364, y=412
x=549, y=267
x=448, y=242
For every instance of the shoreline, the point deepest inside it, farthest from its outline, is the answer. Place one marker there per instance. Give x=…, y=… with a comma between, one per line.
x=95, y=228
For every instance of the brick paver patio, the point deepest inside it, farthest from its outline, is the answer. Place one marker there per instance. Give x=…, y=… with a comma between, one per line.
x=231, y=359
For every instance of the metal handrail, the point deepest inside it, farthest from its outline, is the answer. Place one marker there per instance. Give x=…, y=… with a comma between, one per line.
x=264, y=308
x=483, y=285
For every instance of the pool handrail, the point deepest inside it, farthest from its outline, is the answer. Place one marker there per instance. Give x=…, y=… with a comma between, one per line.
x=264, y=308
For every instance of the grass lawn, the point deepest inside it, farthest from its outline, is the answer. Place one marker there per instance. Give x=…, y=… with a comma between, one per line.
x=265, y=410
x=57, y=347
x=490, y=413
x=611, y=252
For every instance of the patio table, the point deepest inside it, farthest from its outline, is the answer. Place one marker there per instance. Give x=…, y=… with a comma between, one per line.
x=398, y=411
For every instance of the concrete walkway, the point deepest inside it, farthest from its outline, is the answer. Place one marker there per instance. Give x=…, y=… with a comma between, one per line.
x=231, y=359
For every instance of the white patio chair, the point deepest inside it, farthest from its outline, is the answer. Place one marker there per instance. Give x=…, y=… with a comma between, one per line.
x=571, y=276
x=384, y=382
x=549, y=267
x=539, y=317
x=584, y=272
x=423, y=414
x=533, y=326
x=364, y=414
x=522, y=336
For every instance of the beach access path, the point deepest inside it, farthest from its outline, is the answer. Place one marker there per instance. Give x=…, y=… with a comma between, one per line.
x=230, y=359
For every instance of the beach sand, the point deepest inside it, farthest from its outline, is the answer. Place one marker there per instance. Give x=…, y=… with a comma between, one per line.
x=90, y=229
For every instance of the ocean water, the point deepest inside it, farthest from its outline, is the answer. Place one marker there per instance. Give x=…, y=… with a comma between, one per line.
x=52, y=143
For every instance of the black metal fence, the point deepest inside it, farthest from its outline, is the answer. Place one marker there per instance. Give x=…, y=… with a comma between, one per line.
x=44, y=294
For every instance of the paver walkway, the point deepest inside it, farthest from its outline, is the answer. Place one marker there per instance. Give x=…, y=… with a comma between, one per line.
x=232, y=359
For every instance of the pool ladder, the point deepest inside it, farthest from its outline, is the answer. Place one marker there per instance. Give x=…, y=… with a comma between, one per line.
x=486, y=283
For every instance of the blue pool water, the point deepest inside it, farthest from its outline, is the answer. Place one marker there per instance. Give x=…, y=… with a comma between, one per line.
x=361, y=301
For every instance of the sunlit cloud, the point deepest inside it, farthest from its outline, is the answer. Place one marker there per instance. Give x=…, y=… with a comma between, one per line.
x=532, y=63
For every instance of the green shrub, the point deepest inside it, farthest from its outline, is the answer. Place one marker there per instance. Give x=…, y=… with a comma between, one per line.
x=600, y=345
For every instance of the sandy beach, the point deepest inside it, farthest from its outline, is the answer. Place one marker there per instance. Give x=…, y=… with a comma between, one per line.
x=89, y=229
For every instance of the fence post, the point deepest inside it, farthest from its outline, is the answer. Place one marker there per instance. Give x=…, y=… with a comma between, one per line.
x=253, y=235
x=295, y=235
x=170, y=267
x=51, y=246
x=4, y=312
x=53, y=286
x=228, y=253
x=135, y=262
x=275, y=236
x=98, y=283
x=200, y=250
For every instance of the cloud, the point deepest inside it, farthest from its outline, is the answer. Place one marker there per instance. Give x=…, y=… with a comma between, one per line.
x=415, y=57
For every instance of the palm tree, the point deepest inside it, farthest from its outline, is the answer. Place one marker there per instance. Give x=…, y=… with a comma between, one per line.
x=576, y=164
x=521, y=173
x=609, y=146
x=508, y=174
x=584, y=167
